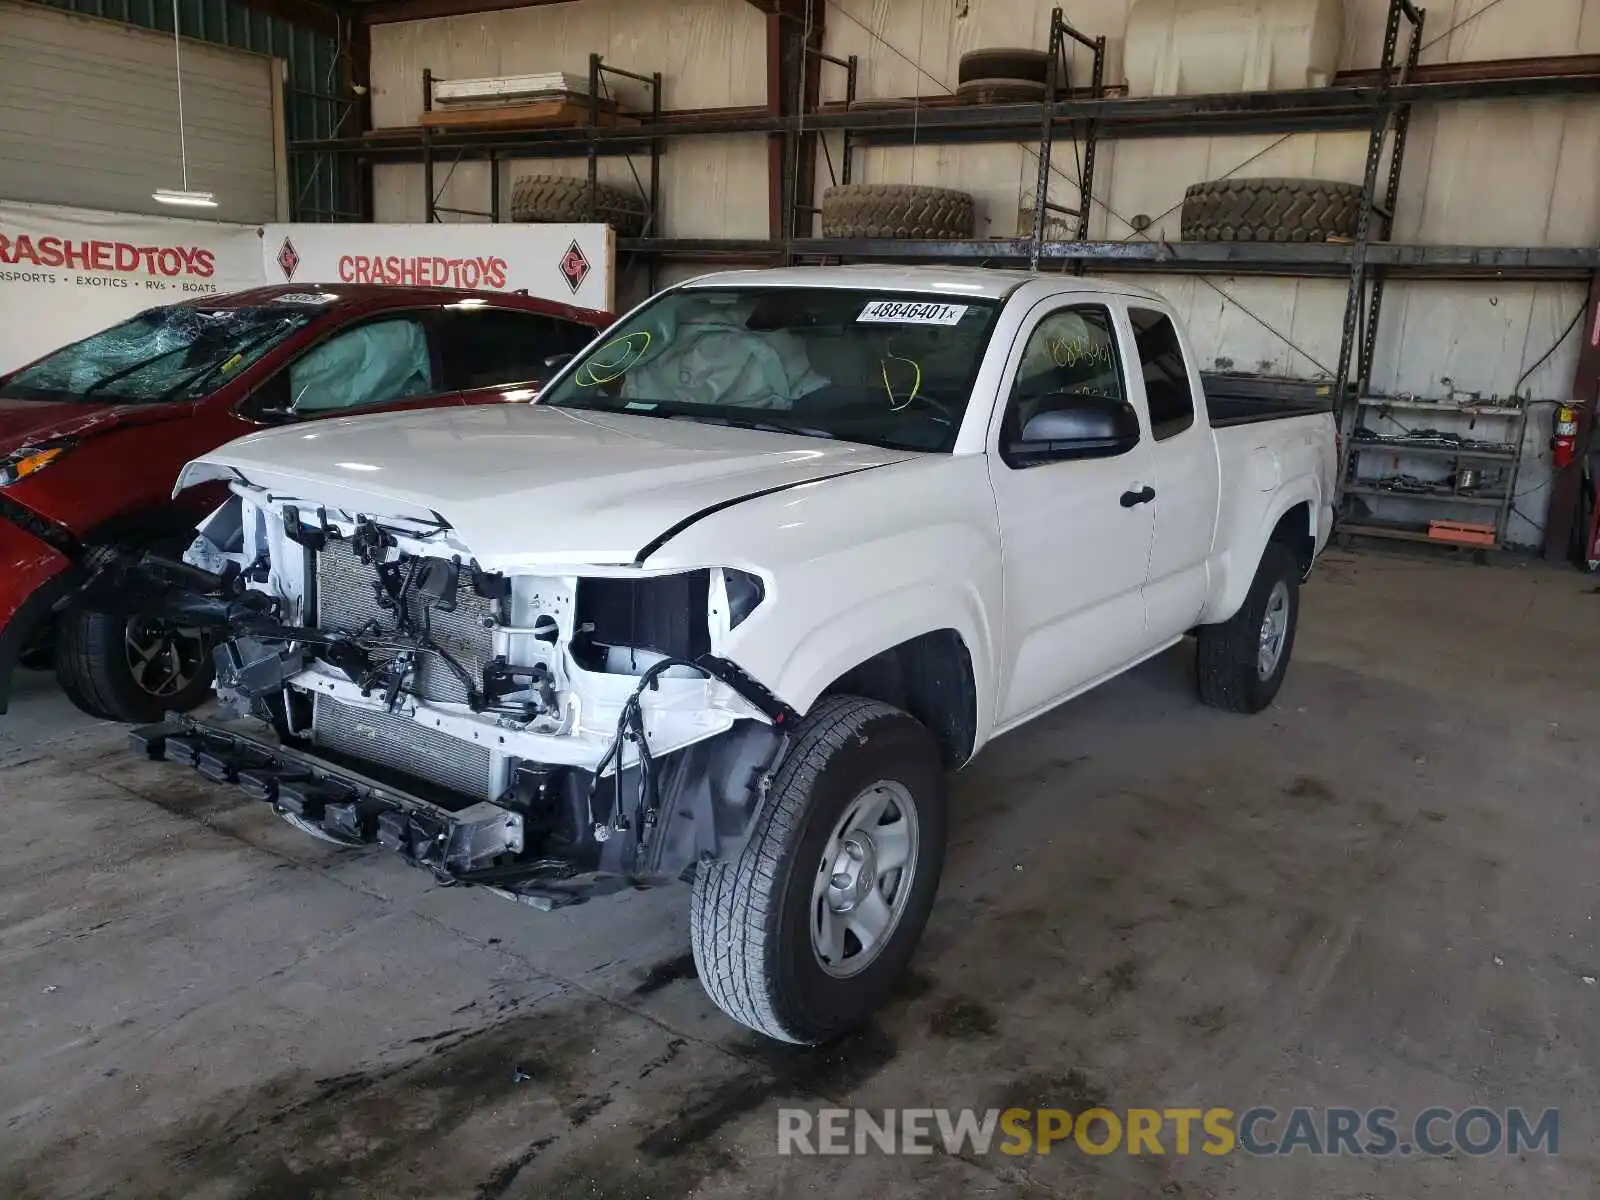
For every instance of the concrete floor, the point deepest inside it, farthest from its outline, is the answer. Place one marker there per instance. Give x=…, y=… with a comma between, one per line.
x=1382, y=891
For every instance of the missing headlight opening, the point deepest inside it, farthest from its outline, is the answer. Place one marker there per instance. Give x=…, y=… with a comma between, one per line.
x=626, y=626
x=549, y=735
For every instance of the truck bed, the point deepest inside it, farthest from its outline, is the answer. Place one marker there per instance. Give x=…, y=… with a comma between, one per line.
x=1234, y=398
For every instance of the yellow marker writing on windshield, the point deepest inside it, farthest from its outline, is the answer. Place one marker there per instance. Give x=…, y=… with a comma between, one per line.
x=613, y=359
x=916, y=384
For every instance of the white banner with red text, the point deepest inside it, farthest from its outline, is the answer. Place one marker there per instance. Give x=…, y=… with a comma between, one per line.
x=571, y=264
x=68, y=272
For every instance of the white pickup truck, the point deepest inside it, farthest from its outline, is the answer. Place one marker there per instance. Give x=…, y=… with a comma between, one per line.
x=728, y=598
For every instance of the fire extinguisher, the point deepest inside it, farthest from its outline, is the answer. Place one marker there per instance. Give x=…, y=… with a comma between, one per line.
x=1564, y=443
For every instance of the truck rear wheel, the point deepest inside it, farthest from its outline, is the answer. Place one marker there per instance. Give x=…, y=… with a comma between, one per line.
x=131, y=668
x=1241, y=662
x=802, y=936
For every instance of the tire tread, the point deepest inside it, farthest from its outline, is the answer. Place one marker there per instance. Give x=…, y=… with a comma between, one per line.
x=1217, y=652
x=1004, y=62
x=734, y=950
x=562, y=198
x=1225, y=654
x=81, y=665
x=899, y=211
x=1271, y=210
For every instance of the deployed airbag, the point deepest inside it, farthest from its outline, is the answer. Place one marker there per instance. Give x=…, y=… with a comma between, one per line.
x=372, y=364
x=713, y=357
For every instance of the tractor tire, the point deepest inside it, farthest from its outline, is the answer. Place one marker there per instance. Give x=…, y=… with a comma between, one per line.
x=895, y=210
x=1032, y=66
x=772, y=928
x=880, y=103
x=1271, y=210
x=560, y=199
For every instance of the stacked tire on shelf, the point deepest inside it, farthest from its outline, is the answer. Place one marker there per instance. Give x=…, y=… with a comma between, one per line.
x=1003, y=75
x=872, y=211
x=1271, y=210
x=879, y=211
x=913, y=212
x=561, y=199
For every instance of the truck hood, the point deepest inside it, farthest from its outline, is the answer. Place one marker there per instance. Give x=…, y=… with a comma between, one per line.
x=528, y=485
x=28, y=422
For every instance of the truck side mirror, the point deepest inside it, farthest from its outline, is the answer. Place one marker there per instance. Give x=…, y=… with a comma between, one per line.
x=1071, y=425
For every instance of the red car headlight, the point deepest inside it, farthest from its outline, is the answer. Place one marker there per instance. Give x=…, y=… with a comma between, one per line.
x=27, y=460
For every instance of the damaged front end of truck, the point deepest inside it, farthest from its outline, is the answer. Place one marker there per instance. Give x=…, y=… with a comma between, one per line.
x=551, y=734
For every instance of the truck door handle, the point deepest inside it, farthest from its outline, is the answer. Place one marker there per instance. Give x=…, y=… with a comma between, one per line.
x=1144, y=496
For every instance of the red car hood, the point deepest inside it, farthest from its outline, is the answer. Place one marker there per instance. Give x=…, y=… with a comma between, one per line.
x=23, y=422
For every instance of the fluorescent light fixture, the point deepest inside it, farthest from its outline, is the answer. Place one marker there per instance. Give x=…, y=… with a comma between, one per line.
x=184, y=198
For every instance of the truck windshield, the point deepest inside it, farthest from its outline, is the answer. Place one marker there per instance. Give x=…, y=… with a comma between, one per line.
x=883, y=368
x=163, y=354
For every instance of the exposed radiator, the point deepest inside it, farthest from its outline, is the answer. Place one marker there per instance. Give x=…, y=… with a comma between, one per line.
x=401, y=744
x=347, y=600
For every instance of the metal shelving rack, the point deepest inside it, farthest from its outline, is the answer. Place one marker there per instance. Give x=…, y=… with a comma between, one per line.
x=1353, y=106
x=1304, y=260
x=1060, y=31
x=851, y=68
x=1502, y=458
x=433, y=143
x=1398, y=115
x=939, y=132
x=1378, y=102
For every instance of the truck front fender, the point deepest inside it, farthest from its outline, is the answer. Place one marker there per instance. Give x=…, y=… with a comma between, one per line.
x=827, y=651
x=858, y=565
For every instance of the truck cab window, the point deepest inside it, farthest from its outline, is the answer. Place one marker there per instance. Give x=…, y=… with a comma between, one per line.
x=1071, y=352
x=1166, y=377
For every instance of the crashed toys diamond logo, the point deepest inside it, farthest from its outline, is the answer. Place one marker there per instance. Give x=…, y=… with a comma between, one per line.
x=574, y=267
x=288, y=260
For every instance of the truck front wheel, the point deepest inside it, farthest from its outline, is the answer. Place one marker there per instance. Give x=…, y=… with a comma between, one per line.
x=1241, y=662
x=802, y=936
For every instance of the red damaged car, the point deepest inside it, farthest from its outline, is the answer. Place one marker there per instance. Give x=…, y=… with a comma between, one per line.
x=92, y=438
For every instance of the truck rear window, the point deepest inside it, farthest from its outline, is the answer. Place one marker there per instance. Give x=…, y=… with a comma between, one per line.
x=883, y=368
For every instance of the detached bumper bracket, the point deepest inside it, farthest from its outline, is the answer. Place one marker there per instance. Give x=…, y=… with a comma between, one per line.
x=456, y=846
x=267, y=782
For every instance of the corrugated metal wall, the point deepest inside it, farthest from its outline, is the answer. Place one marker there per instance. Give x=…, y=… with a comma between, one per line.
x=88, y=117
x=711, y=53
x=310, y=107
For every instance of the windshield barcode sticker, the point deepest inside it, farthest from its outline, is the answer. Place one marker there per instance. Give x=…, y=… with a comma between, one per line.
x=907, y=312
